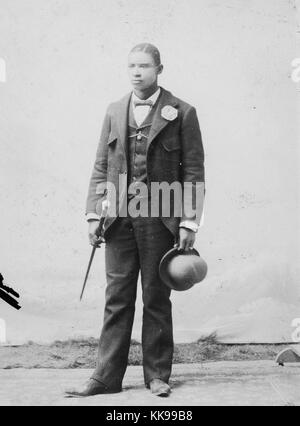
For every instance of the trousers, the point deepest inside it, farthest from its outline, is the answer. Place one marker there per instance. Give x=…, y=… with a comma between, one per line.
x=133, y=246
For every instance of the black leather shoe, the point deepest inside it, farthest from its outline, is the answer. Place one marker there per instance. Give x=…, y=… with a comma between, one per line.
x=93, y=387
x=160, y=388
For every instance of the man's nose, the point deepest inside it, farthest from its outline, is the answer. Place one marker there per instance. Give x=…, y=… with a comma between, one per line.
x=136, y=71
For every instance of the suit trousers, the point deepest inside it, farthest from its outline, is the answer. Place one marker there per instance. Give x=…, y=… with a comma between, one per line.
x=135, y=245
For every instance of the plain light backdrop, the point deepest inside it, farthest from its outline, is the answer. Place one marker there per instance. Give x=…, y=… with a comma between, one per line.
x=231, y=59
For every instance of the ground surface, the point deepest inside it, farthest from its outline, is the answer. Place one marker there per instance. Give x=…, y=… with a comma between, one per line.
x=82, y=353
x=216, y=383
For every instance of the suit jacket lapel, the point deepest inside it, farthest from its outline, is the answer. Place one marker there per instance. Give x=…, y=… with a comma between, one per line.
x=159, y=123
x=122, y=119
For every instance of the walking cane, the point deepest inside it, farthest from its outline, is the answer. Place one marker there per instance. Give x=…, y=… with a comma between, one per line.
x=98, y=234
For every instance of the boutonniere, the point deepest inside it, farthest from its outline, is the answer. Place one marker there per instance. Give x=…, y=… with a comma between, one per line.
x=169, y=113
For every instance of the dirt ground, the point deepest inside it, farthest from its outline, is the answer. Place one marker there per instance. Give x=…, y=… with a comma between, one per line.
x=204, y=373
x=72, y=354
x=230, y=383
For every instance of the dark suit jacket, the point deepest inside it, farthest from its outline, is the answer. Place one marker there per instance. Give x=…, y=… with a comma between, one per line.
x=174, y=154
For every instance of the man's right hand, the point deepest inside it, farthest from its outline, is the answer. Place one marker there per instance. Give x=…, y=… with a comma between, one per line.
x=94, y=240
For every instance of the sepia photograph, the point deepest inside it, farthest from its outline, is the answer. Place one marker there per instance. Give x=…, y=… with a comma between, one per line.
x=150, y=221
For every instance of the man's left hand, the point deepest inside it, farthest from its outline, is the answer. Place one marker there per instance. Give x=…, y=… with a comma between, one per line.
x=186, y=239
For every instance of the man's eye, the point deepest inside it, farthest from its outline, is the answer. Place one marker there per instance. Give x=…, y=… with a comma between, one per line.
x=138, y=66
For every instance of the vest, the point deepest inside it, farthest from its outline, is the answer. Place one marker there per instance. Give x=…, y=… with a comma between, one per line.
x=137, y=148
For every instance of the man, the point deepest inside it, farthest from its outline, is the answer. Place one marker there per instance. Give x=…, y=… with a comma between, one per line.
x=149, y=136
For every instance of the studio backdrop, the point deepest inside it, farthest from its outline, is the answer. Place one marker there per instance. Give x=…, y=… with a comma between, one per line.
x=62, y=63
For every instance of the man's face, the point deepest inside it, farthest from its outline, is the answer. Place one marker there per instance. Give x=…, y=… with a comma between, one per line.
x=142, y=70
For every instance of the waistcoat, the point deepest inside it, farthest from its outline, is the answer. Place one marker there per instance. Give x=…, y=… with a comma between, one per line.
x=137, y=147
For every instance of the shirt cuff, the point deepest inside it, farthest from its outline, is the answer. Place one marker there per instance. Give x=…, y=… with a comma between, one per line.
x=189, y=224
x=92, y=216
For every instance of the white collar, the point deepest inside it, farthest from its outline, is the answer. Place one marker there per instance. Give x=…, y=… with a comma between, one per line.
x=152, y=98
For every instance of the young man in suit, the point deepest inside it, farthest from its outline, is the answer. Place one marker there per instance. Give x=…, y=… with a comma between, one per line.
x=148, y=136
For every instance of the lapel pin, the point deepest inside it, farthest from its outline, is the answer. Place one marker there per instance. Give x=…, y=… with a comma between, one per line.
x=169, y=113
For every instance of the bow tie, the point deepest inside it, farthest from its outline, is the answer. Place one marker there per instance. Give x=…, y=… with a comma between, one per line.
x=142, y=103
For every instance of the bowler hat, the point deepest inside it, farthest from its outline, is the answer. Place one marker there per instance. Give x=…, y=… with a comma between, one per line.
x=180, y=270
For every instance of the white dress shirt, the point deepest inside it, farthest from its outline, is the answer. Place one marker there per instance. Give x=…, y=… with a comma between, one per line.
x=140, y=112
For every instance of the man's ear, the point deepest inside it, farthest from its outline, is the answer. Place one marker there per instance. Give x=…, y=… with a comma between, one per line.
x=160, y=69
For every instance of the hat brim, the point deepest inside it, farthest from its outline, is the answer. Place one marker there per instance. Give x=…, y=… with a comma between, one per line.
x=165, y=277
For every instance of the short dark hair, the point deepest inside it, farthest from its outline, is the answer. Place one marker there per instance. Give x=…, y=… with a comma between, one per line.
x=148, y=48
